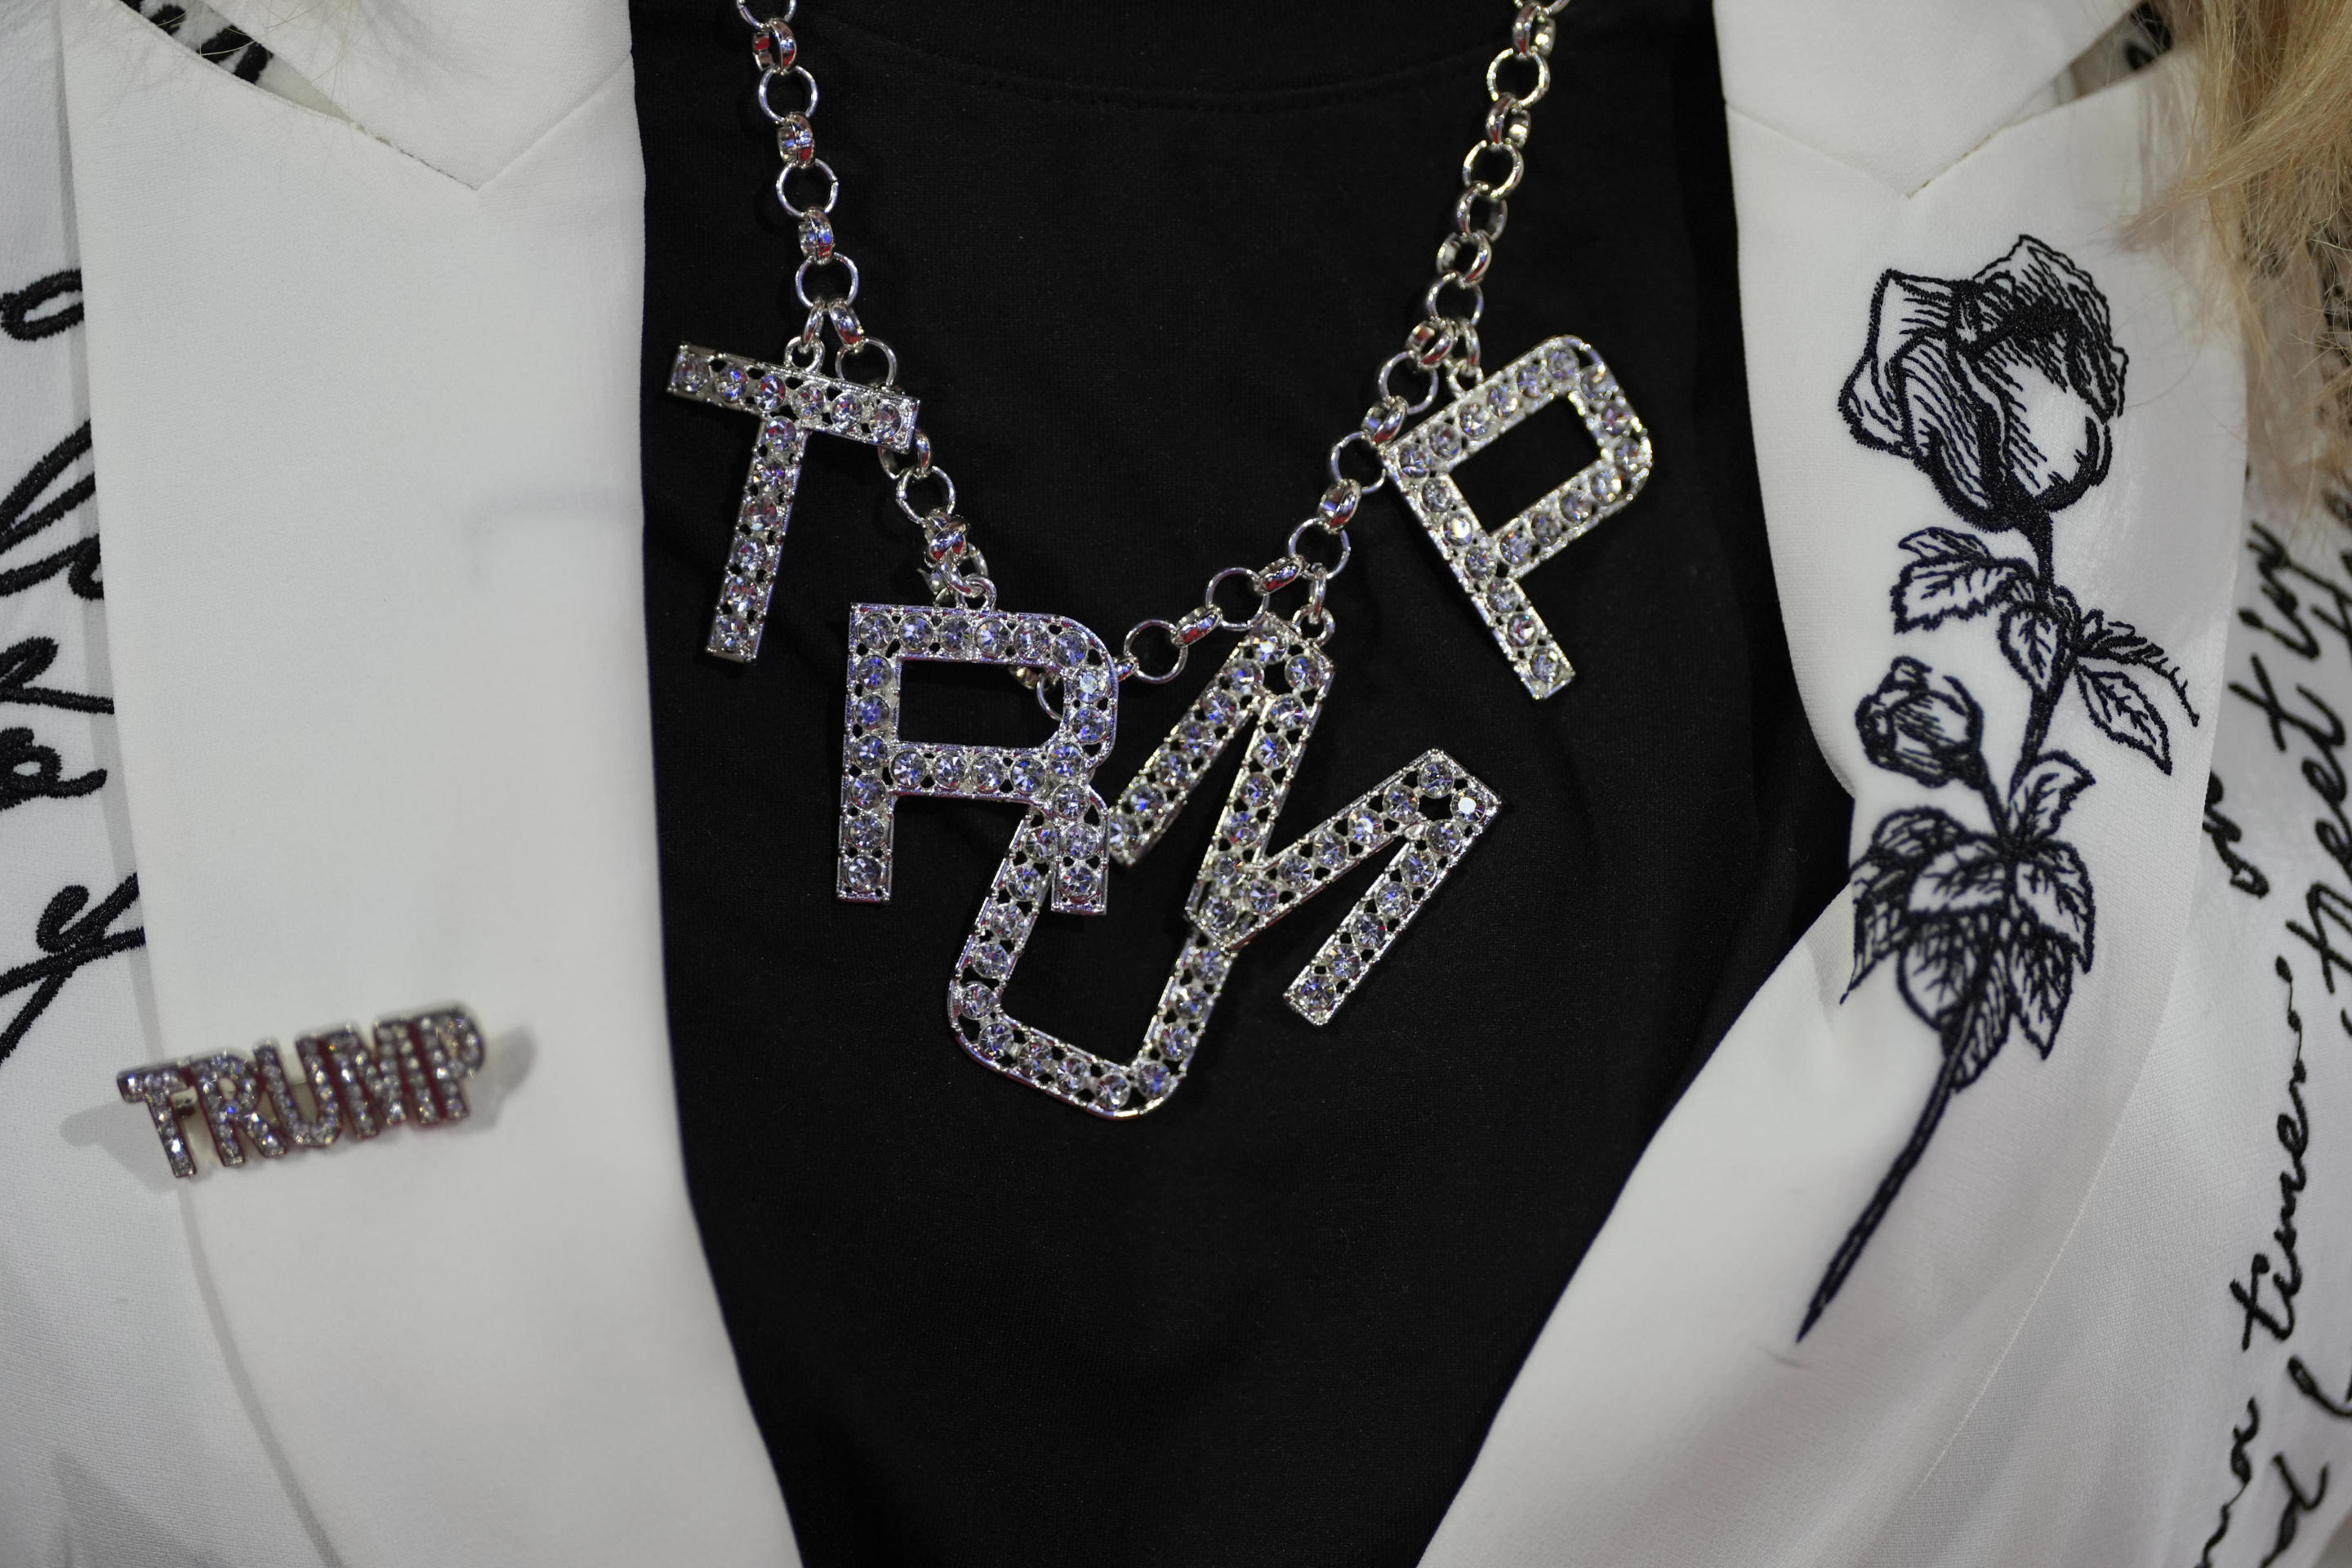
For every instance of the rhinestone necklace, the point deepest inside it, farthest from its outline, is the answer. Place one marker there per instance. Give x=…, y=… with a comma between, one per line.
x=1272, y=687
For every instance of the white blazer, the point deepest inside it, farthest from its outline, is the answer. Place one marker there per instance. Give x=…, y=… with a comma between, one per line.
x=362, y=374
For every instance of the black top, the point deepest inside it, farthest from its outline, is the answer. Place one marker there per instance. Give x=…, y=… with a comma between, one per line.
x=1140, y=262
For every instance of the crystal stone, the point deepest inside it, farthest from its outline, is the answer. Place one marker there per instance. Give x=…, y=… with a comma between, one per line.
x=865, y=712
x=1476, y=420
x=861, y=873
x=916, y=629
x=1113, y=1089
x=948, y=768
x=1521, y=631
x=690, y=375
x=1447, y=441
x=1317, y=993
x=1070, y=650
x=1531, y=380
x=861, y=793
x=1154, y=1079
x=1393, y=901
x=907, y=770
x=1211, y=966
x=1461, y=528
x=1519, y=546
x=1413, y=462
x=868, y=671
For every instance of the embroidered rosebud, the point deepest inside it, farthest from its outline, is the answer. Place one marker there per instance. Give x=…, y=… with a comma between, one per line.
x=1921, y=725
x=2000, y=387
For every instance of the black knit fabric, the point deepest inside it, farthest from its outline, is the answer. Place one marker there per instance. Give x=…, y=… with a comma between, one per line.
x=1139, y=262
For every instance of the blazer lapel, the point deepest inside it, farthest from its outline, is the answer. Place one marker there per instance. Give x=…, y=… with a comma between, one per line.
x=364, y=414
x=1676, y=1410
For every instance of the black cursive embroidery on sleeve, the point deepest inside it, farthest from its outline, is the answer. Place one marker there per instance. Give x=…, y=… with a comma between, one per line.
x=30, y=771
x=2241, y=1466
x=23, y=662
x=20, y=520
x=18, y=307
x=2244, y=875
x=2000, y=388
x=70, y=944
x=2274, y=567
x=2285, y=1278
x=2298, y=1503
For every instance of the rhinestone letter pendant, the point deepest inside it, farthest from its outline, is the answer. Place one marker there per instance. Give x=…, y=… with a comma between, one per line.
x=1064, y=830
x=1271, y=690
x=790, y=403
x=1488, y=565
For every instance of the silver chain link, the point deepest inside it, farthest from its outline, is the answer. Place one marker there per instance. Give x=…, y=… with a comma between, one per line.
x=1442, y=346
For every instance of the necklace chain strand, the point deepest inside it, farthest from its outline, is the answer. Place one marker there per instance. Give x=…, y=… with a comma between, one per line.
x=1442, y=346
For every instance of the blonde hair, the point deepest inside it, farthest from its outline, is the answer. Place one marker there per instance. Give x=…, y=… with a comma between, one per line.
x=2270, y=166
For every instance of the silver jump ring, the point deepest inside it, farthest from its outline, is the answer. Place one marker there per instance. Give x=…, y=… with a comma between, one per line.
x=743, y=9
x=1476, y=191
x=1209, y=598
x=761, y=92
x=1132, y=665
x=906, y=476
x=1543, y=79
x=1322, y=574
x=1380, y=469
x=1470, y=167
x=1406, y=362
x=831, y=185
x=1449, y=253
x=799, y=279
x=889, y=357
x=1477, y=298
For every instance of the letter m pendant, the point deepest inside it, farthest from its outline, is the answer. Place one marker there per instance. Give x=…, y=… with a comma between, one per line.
x=1270, y=691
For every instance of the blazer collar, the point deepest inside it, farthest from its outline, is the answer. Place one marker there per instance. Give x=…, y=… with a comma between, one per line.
x=366, y=440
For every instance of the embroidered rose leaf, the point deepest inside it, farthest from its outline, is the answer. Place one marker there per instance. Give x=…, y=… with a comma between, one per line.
x=2053, y=892
x=2041, y=798
x=1882, y=882
x=2039, y=975
x=2117, y=642
x=2119, y=707
x=1971, y=875
x=2034, y=637
x=1953, y=576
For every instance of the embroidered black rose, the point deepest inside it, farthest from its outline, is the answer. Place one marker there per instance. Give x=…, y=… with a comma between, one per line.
x=2000, y=386
x=1918, y=725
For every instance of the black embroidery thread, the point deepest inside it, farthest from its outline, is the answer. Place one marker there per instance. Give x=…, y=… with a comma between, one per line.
x=2297, y=1504
x=220, y=49
x=23, y=662
x=30, y=771
x=2000, y=388
x=2241, y=1466
x=2244, y=875
x=17, y=308
x=70, y=944
x=2295, y=1137
x=20, y=520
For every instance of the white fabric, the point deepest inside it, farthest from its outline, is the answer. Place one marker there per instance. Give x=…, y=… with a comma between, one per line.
x=374, y=622
x=374, y=617
x=125, y=1431
x=2038, y=1359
